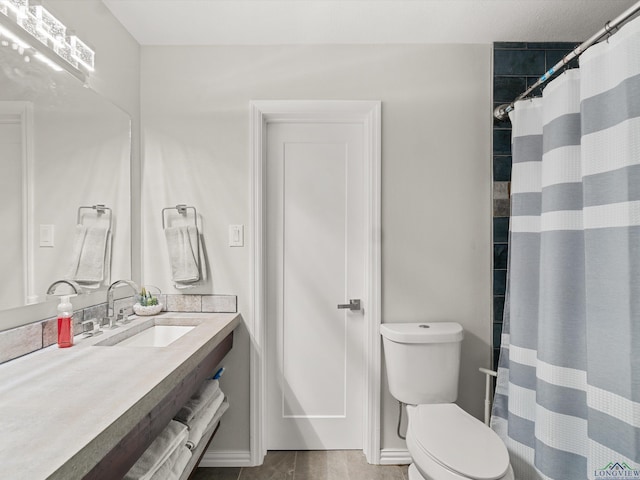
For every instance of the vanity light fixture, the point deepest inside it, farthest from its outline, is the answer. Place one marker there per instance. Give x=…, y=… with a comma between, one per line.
x=32, y=31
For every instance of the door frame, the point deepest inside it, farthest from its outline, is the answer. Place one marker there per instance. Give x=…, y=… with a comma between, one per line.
x=18, y=111
x=367, y=113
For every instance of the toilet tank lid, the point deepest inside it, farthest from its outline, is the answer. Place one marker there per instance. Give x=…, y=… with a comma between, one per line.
x=424, y=332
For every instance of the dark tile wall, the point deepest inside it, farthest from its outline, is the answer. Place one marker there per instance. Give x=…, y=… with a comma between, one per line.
x=516, y=66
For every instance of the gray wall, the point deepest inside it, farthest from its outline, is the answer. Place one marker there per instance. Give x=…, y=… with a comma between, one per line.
x=436, y=179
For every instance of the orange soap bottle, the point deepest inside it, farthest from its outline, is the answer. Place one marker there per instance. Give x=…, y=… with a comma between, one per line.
x=65, y=323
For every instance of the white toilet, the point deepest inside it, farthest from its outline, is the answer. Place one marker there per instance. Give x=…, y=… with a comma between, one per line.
x=445, y=442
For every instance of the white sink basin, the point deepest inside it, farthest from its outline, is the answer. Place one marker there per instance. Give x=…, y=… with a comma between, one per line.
x=156, y=336
x=147, y=334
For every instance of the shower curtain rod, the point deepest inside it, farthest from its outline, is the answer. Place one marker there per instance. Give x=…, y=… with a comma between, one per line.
x=501, y=111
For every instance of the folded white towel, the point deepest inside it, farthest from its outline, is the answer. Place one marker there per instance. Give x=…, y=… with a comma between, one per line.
x=174, y=466
x=170, y=439
x=181, y=463
x=182, y=244
x=206, y=411
x=90, y=255
x=202, y=398
x=208, y=417
x=199, y=431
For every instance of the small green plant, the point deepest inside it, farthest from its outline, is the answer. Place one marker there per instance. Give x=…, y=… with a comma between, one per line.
x=146, y=299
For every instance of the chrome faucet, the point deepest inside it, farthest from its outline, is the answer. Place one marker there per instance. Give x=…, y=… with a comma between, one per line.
x=52, y=288
x=111, y=315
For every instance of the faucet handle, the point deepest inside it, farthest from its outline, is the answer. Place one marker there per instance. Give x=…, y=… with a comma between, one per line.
x=110, y=322
x=95, y=327
x=124, y=315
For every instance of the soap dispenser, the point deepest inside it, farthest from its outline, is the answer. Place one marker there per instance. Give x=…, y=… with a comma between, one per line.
x=65, y=323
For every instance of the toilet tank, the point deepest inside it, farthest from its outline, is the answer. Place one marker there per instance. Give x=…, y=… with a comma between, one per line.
x=423, y=361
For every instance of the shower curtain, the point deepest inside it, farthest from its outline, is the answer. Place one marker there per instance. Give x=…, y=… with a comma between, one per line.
x=567, y=400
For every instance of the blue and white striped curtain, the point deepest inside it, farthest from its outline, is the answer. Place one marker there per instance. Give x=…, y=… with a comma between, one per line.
x=567, y=400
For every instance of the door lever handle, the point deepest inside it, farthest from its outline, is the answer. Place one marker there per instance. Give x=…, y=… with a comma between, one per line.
x=354, y=304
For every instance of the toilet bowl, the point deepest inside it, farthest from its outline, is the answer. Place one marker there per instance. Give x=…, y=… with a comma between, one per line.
x=444, y=441
x=414, y=474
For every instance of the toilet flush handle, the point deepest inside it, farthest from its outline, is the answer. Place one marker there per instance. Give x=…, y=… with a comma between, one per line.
x=353, y=305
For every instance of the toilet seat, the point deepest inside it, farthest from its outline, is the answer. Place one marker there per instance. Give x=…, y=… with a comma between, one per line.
x=446, y=434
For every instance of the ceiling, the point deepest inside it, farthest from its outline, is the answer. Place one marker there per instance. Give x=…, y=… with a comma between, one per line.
x=268, y=22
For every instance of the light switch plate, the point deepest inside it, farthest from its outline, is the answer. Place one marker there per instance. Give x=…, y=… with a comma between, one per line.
x=47, y=235
x=236, y=235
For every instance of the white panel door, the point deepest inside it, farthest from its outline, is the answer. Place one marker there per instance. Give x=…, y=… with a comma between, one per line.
x=315, y=261
x=11, y=213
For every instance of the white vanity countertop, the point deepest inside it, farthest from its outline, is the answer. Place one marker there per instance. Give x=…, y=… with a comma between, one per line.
x=63, y=409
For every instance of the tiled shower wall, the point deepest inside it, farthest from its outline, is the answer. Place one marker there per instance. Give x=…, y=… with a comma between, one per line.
x=516, y=66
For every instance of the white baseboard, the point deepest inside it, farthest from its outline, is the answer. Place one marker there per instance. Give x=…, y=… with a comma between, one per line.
x=242, y=458
x=390, y=456
x=226, y=458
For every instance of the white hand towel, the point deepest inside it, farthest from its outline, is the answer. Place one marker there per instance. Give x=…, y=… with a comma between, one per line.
x=202, y=398
x=207, y=417
x=107, y=262
x=170, y=439
x=78, y=240
x=89, y=255
x=182, y=244
x=203, y=259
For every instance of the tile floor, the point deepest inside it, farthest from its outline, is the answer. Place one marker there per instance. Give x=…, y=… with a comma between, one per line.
x=309, y=465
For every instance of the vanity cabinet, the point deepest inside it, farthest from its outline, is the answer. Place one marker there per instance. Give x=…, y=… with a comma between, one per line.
x=91, y=411
x=121, y=458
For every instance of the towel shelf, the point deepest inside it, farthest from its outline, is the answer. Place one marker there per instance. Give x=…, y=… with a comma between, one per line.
x=100, y=209
x=182, y=210
x=117, y=462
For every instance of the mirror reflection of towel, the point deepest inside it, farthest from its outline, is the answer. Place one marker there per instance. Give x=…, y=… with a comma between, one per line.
x=90, y=256
x=182, y=244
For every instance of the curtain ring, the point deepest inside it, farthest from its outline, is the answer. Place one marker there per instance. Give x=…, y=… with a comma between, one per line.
x=609, y=30
x=577, y=51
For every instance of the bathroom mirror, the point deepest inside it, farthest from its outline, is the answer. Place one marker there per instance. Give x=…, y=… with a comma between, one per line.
x=62, y=146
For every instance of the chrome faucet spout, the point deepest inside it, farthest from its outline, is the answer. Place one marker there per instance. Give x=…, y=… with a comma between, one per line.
x=52, y=288
x=110, y=297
